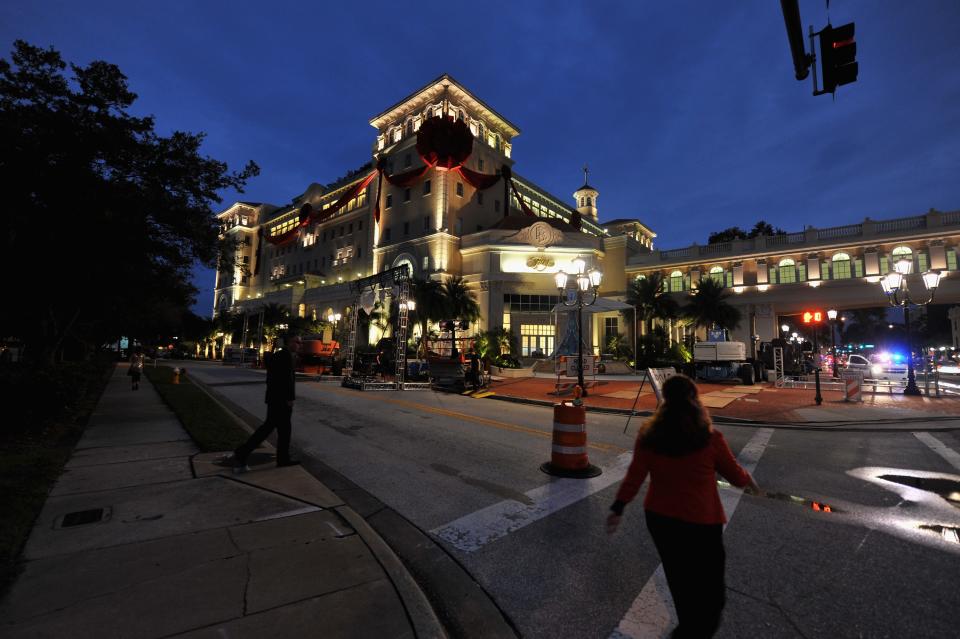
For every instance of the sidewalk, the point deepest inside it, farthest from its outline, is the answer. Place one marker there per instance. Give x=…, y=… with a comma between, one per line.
x=759, y=403
x=142, y=536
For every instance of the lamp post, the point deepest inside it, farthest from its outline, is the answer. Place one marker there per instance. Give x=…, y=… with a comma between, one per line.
x=585, y=284
x=898, y=294
x=832, y=316
x=334, y=318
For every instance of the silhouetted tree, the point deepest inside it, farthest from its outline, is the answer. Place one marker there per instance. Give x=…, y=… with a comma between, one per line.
x=119, y=213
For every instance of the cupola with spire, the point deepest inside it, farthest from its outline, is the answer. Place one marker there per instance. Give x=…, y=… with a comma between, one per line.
x=585, y=198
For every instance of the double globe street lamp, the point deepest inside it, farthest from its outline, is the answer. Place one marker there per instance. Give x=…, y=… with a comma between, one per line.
x=898, y=294
x=583, y=291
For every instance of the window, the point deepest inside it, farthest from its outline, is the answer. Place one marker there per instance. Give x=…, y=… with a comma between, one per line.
x=788, y=271
x=841, y=266
x=480, y=164
x=716, y=274
x=460, y=189
x=426, y=222
x=611, y=328
x=359, y=251
x=426, y=187
x=537, y=338
x=389, y=200
x=406, y=195
x=951, y=259
x=676, y=282
x=406, y=228
x=480, y=198
x=589, y=201
x=409, y=129
x=360, y=225
x=426, y=263
x=350, y=227
x=386, y=235
x=341, y=230
x=245, y=260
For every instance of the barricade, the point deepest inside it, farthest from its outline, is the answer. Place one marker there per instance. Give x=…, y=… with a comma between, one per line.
x=852, y=385
x=569, y=457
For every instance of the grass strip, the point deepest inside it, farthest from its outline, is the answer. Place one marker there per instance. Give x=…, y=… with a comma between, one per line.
x=30, y=464
x=210, y=426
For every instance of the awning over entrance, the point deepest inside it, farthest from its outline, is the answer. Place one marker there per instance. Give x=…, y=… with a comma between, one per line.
x=602, y=305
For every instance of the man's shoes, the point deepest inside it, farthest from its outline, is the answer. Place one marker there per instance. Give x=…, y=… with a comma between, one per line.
x=238, y=465
x=288, y=462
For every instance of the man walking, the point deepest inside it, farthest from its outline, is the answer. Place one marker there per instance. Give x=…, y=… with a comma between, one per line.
x=281, y=379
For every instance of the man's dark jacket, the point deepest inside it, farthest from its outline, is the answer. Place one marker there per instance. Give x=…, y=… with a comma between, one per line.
x=280, y=377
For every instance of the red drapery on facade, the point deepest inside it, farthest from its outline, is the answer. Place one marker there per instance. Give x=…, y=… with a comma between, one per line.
x=523, y=205
x=479, y=181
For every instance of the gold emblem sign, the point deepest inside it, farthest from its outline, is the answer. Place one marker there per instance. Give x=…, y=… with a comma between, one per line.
x=540, y=262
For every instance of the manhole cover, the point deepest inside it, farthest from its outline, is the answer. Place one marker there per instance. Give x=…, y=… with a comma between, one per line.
x=84, y=517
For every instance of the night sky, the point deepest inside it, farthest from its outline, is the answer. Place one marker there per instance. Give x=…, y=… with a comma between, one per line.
x=687, y=111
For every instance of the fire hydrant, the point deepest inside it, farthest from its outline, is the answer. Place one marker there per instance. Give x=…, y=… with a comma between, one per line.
x=176, y=375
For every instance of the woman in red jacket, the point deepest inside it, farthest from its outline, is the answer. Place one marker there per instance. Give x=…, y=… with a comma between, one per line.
x=682, y=453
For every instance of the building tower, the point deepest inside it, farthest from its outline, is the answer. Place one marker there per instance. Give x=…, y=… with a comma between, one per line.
x=585, y=198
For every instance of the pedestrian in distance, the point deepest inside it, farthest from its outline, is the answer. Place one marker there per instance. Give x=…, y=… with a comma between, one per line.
x=680, y=450
x=136, y=369
x=281, y=393
x=473, y=372
x=380, y=365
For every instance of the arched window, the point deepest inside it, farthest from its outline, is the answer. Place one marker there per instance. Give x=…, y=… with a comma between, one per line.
x=841, y=266
x=788, y=271
x=676, y=282
x=397, y=132
x=589, y=201
x=461, y=116
x=716, y=274
x=410, y=126
x=899, y=253
x=581, y=202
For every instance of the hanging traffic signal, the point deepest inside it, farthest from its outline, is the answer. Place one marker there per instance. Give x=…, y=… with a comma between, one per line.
x=838, y=56
x=812, y=317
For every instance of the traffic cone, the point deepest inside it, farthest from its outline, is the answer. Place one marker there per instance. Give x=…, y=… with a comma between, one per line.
x=569, y=457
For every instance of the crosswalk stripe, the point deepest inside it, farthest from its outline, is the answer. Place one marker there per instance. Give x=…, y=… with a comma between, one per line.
x=937, y=446
x=652, y=613
x=471, y=532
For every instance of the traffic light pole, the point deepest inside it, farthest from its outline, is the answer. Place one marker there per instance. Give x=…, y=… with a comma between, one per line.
x=816, y=371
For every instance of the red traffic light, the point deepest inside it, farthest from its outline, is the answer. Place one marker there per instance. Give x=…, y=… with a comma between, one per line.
x=812, y=317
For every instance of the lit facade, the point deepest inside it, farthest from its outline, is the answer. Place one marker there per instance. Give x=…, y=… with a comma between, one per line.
x=440, y=225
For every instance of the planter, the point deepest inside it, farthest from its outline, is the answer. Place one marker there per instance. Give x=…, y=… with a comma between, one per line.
x=511, y=372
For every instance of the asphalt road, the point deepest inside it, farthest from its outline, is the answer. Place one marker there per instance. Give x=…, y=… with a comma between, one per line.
x=466, y=471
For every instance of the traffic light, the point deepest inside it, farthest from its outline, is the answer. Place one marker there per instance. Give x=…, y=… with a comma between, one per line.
x=812, y=317
x=838, y=56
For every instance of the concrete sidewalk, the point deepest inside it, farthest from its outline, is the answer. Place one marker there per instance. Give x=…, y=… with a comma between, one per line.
x=142, y=536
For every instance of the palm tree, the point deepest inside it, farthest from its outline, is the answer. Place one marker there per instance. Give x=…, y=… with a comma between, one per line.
x=460, y=304
x=459, y=300
x=708, y=307
x=428, y=294
x=651, y=300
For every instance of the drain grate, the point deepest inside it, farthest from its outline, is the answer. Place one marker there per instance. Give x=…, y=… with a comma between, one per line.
x=84, y=517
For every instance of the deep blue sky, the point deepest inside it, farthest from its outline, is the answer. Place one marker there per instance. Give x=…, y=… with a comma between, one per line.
x=686, y=111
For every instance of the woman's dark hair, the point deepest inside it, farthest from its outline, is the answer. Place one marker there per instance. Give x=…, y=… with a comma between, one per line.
x=681, y=425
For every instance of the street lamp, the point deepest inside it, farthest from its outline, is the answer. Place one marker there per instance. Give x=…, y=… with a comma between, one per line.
x=832, y=316
x=584, y=284
x=895, y=286
x=334, y=318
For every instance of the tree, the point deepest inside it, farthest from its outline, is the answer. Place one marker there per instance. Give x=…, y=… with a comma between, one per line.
x=736, y=233
x=459, y=301
x=708, y=307
x=727, y=235
x=649, y=297
x=120, y=212
x=428, y=295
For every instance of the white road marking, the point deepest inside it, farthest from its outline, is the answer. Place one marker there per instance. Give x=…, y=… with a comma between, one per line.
x=471, y=532
x=652, y=613
x=937, y=446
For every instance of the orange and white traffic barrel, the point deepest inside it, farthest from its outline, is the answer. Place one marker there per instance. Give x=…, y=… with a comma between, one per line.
x=853, y=386
x=569, y=456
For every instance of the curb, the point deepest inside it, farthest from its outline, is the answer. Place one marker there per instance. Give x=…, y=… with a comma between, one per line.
x=420, y=611
x=831, y=426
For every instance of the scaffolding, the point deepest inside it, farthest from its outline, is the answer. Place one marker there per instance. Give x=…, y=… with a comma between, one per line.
x=397, y=278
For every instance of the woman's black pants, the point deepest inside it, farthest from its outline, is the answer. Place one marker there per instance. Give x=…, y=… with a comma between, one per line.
x=693, y=560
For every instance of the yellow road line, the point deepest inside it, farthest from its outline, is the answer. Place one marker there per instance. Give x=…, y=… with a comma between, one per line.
x=480, y=420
